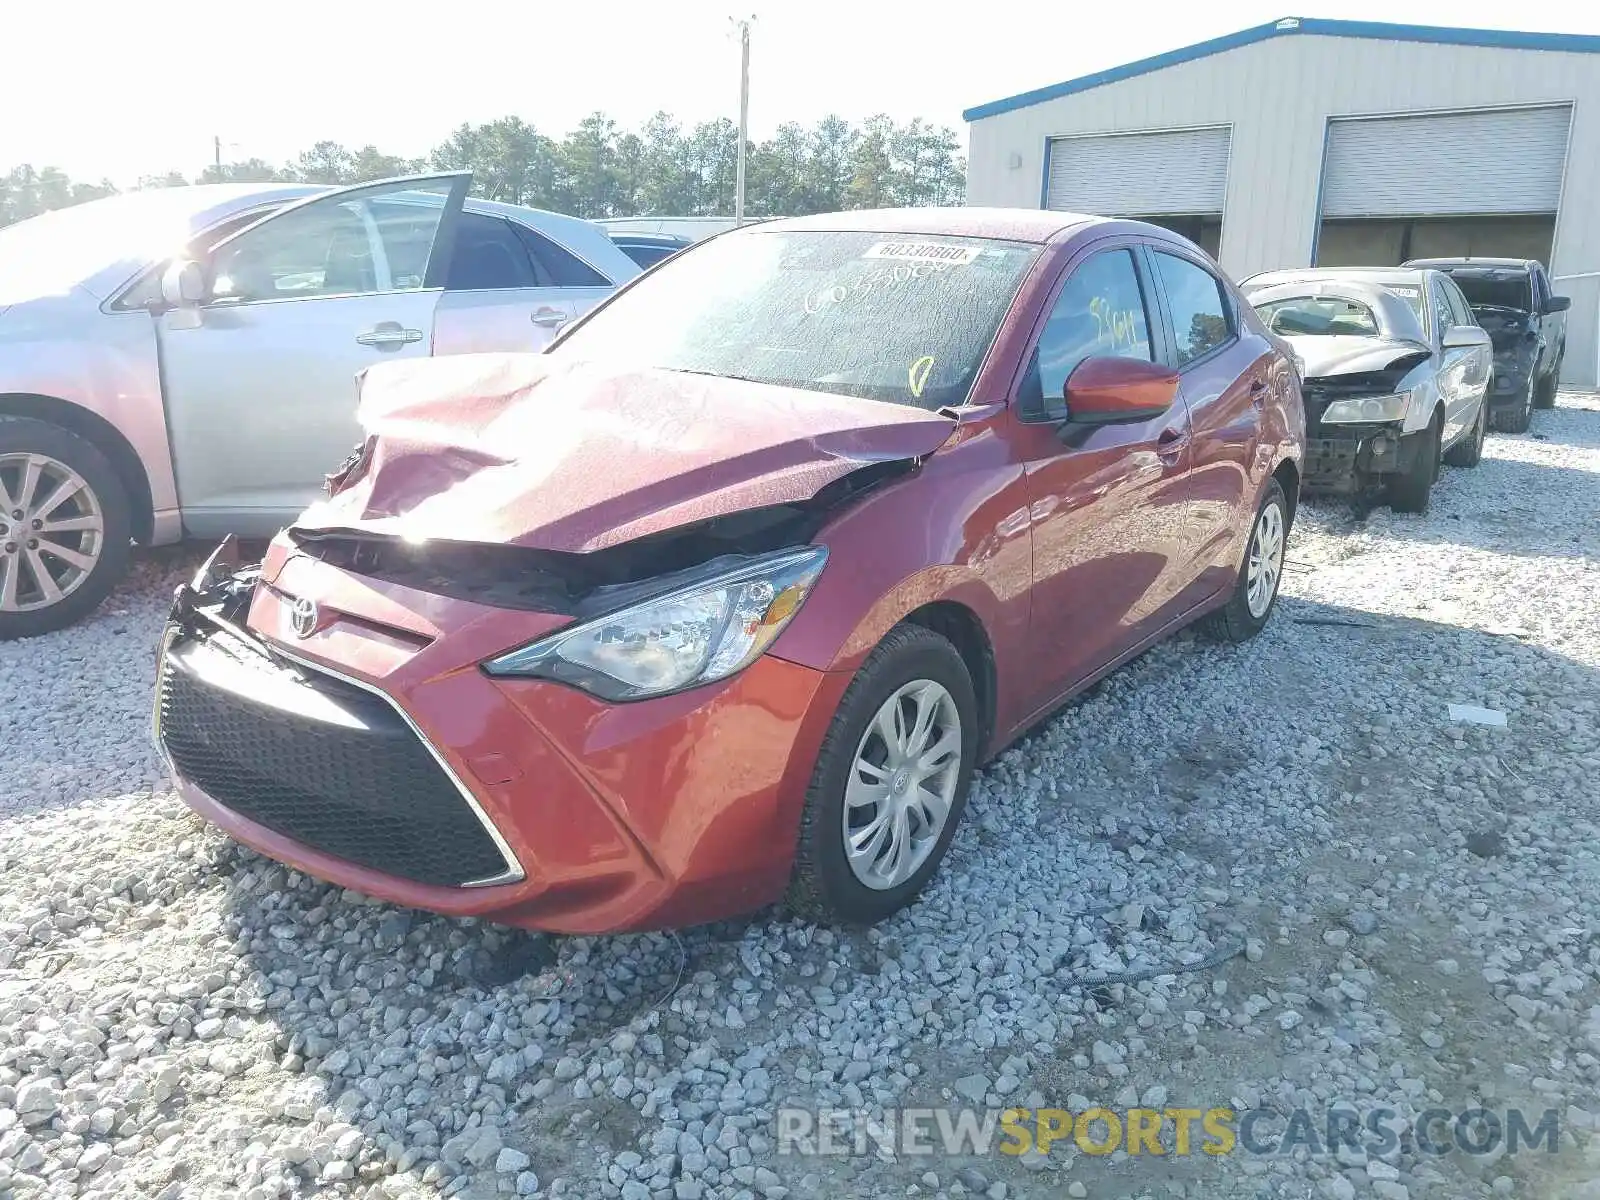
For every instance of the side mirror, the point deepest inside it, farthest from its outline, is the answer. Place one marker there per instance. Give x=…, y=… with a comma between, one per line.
x=1557, y=304
x=1118, y=391
x=1460, y=336
x=183, y=284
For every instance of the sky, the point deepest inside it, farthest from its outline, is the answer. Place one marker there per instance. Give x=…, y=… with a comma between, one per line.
x=121, y=89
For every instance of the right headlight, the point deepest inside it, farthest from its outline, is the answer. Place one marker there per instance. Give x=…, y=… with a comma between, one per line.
x=1363, y=410
x=696, y=634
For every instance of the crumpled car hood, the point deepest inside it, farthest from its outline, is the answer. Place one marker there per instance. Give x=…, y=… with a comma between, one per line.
x=1324, y=356
x=531, y=451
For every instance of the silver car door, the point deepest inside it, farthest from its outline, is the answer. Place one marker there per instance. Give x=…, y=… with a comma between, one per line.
x=1455, y=365
x=496, y=296
x=259, y=378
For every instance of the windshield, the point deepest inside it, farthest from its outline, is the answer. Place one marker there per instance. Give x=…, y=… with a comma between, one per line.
x=48, y=254
x=1495, y=289
x=902, y=319
x=1319, y=316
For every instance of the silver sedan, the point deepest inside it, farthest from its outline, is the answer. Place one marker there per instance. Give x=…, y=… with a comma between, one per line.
x=183, y=361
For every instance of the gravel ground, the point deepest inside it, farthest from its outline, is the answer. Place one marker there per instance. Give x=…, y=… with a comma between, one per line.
x=1405, y=910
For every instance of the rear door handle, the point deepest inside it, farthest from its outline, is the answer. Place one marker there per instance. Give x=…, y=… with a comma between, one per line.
x=549, y=317
x=389, y=335
x=1258, y=392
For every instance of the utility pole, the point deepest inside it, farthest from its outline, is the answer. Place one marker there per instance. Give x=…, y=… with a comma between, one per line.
x=216, y=152
x=743, y=26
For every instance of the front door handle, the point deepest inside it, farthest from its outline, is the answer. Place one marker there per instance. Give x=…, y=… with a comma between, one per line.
x=389, y=335
x=1170, y=444
x=549, y=317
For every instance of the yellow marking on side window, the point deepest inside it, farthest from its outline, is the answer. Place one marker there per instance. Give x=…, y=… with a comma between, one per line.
x=918, y=374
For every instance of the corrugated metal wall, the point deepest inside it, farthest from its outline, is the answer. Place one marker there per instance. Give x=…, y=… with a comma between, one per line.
x=1278, y=96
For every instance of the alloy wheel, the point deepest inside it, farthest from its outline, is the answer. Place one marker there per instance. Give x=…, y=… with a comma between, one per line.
x=52, y=531
x=902, y=784
x=1266, y=561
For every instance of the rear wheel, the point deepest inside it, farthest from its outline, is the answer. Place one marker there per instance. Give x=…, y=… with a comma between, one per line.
x=1255, y=592
x=1411, y=491
x=1469, y=452
x=890, y=783
x=64, y=535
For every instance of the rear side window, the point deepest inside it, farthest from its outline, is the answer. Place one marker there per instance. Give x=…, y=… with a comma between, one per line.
x=1100, y=312
x=488, y=256
x=1200, y=321
x=559, y=266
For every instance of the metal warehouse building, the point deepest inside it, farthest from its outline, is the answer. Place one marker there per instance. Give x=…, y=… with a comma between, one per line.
x=1333, y=143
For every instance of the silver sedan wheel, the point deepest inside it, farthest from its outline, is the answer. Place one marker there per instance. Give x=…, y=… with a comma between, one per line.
x=51, y=531
x=902, y=784
x=1266, y=561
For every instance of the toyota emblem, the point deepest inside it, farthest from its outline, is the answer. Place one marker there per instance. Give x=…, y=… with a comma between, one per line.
x=303, y=617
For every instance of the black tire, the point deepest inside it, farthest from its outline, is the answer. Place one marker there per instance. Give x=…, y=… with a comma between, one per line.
x=1545, y=396
x=822, y=886
x=1410, y=492
x=1516, y=420
x=1469, y=453
x=24, y=435
x=1234, y=622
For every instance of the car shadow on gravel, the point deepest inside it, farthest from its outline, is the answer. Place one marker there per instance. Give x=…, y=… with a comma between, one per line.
x=446, y=1041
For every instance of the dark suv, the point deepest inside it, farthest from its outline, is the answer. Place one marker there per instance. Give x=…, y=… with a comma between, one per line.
x=1512, y=299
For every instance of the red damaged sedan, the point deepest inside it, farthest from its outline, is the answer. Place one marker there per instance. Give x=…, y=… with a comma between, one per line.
x=721, y=600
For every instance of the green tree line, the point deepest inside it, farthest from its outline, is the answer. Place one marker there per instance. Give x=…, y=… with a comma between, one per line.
x=601, y=170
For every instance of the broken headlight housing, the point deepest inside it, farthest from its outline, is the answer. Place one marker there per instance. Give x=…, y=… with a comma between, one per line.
x=1367, y=410
x=693, y=635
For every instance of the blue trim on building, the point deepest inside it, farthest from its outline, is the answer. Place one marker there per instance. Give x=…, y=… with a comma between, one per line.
x=1572, y=43
x=1044, y=185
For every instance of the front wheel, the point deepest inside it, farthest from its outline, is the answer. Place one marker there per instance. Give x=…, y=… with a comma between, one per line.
x=1255, y=592
x=64, y=536
x=890, y=783
x=1411, y=491
x=1469, y=452
x=1546, y=395
x=1517, y=419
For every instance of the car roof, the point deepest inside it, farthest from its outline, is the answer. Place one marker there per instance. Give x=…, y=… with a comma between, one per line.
x=1382, y=276
x=1009, y=224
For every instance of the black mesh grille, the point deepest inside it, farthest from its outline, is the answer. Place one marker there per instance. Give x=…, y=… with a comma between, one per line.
x=371, y=794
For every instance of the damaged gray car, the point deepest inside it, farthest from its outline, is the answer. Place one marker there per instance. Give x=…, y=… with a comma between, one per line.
x=1395, y=373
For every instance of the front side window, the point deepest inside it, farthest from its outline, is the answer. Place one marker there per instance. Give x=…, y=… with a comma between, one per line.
x=905, y=319
x=1100, y=313
x=354, y=245
x=1199, y=311
x=1318, y=316
x=1460, y=311
x=1442, y=317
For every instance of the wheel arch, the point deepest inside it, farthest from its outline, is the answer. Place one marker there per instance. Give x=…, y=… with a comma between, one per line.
x=105, y=437
x=965, y=630
x=1287, y=474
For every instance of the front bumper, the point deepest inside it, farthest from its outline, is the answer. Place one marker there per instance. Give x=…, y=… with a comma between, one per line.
x=1345, y=460
x=518, y=801
x=1508, y=386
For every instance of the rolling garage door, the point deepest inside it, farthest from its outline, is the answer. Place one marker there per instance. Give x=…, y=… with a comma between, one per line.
x=1177, y=171
x=1506, y=161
